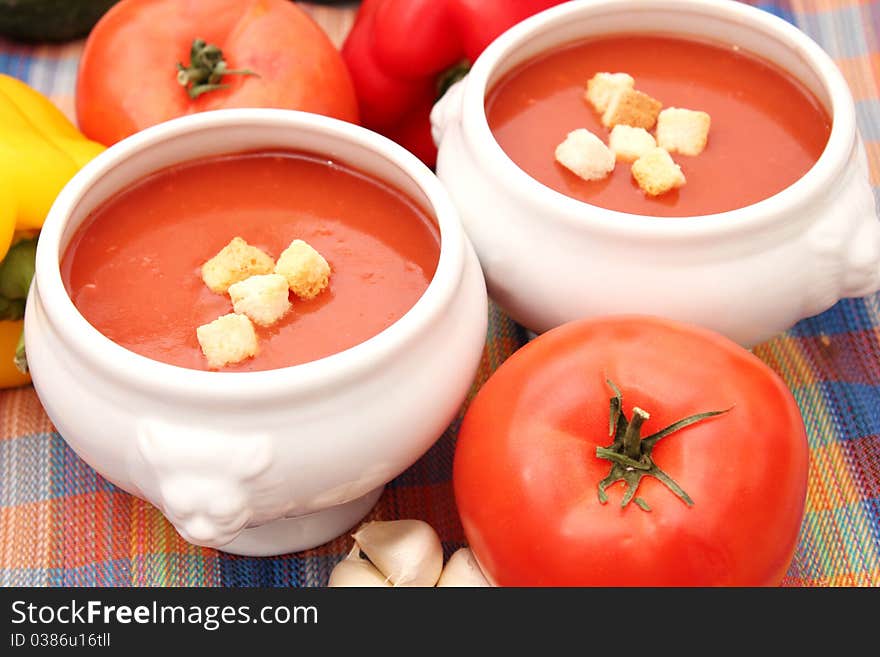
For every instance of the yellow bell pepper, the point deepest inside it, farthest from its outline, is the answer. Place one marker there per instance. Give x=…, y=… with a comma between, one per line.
x=10, y=375
x=7, y=217
x=40, y=151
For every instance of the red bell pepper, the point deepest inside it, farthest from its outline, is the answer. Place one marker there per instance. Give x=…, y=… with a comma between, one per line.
x=400, y=53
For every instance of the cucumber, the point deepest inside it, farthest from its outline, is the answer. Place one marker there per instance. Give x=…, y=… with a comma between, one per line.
x=50, y=20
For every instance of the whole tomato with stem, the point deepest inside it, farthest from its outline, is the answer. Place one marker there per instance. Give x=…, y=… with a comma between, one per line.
x=632, y=451
x=147, y=61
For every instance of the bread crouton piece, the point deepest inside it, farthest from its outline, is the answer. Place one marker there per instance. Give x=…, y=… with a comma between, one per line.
x=305, y=269
x=602, y=87
x=585, y=155
x=263, y=298
x=631, y=107
x=228, y=339
x=628, y=144
x=656, y=173
x=235, y=262
x=682, y=130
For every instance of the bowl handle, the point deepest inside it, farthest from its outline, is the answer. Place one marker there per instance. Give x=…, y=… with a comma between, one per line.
x=200, y=479
x=447, y=110
x=845, y=240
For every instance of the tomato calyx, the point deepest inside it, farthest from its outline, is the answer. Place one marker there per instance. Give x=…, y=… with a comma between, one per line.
x=205, y=70
x=631, y=455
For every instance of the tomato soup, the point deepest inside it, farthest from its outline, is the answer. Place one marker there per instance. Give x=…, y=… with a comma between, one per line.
x=133, y=267
x=767, y=129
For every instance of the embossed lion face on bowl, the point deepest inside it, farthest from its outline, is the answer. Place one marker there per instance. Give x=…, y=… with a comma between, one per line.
x=203, y=480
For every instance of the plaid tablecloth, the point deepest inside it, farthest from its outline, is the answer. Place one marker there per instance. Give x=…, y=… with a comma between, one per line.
x=63, y=525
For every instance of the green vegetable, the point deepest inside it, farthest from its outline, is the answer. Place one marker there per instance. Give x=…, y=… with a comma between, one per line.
x=50, y=20
x=16, y=272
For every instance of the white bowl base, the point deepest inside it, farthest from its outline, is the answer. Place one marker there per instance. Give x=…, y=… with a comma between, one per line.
x=304, y=532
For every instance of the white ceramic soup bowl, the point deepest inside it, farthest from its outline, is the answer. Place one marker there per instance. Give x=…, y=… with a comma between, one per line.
x=268, y=462
x=748, y=273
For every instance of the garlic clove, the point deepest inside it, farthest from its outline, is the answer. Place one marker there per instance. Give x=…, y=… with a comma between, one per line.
x=355, y=571
x=462, y=569
x=407, y=552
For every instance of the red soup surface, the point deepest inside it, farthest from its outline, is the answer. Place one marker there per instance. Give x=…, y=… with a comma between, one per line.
x=767, y=128
x=133, y=269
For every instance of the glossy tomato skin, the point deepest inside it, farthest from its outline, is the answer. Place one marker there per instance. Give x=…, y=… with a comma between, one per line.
x=127, y=78
x=526, y=471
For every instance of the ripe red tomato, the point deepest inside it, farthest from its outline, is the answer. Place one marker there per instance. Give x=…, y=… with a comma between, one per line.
x=128, y=74
x=527, y=472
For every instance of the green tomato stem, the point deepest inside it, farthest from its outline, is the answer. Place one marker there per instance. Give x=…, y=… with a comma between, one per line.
x=631, y=455
x=205, y=70
x=632, y=437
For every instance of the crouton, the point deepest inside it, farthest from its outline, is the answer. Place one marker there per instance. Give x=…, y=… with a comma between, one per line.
x=682, y=130
x=263, y=298
x=631, y=107
x=305, y=269
x=228, y=339
x=656, y=173
x=585, y=155
x=628, y=144
x=235, y=262
x=602, y=87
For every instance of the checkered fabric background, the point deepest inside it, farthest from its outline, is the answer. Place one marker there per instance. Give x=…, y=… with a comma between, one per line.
x=63, y=525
